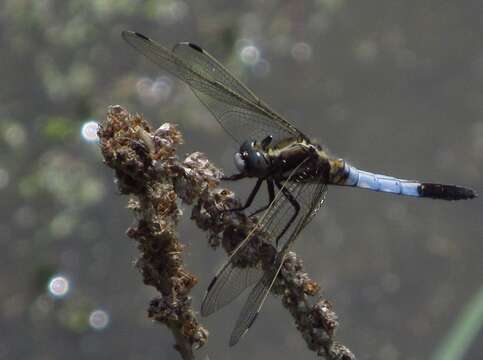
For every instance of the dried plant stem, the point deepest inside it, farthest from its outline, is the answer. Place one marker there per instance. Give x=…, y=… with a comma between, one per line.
x=131, y=148
x=148, y=169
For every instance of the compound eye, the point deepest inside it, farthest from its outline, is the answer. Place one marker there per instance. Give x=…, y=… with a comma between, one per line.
x=258, y=161
x=240, y=162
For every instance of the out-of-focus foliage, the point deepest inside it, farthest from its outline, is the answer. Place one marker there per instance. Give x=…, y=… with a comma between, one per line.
x=464, y=332
x=393, y=86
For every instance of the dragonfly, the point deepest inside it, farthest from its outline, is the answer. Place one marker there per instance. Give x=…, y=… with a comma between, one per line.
x=296, y=171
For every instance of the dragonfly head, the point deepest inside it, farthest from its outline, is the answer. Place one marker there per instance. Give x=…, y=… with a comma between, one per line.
x=252, y=160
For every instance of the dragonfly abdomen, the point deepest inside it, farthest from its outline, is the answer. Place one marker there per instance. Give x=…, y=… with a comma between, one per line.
x=352, y=176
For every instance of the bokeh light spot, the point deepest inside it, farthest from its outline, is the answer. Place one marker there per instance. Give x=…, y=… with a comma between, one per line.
x=99, y=319
x=59, y=286
x=161, y=88
x=301, y=51
x=89, y=131
x=152, y=92
x=250, y=55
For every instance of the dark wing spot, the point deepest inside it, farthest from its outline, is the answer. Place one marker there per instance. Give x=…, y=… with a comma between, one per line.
x=142, y=36
x=196, y=47
x=212, y=283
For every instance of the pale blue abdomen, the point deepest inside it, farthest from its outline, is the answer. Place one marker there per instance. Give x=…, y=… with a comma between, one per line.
x=382, y=183
x=351, y=176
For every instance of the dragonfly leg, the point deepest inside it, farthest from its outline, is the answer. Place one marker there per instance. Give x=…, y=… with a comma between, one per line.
x=288, y=195
x=233, y=177
x=271, y=197
x=250, y=197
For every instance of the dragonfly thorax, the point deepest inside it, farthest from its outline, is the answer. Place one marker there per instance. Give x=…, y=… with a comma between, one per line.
x=252, y=160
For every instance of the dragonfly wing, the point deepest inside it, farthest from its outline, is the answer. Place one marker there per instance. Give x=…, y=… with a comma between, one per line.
x=316, y=193
x=309, y=195
x=223, y=290
x=238, y=110
x=263, y=123
x=242, y=123
x=208, y=67
x=229, y=282
x=252, y=306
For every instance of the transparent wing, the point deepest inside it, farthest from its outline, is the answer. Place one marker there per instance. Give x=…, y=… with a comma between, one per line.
x=231, y=280
x=209, y=68
x=259, y=293
x=309, y=195
x=252, y=306
x=240, y=122
x=238, y=110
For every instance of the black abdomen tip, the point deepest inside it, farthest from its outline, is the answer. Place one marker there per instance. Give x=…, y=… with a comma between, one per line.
x=446, y=192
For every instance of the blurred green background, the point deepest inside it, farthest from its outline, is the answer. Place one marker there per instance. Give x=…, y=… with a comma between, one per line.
x=394, y=87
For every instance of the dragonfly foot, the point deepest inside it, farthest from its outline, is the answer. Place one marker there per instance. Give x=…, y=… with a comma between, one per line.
x=233, y=177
